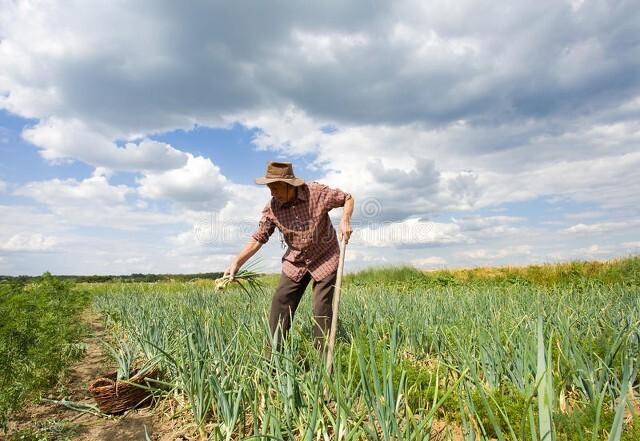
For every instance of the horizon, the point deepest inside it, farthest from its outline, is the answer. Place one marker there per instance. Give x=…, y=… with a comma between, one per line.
x=611, y=260
x=130, y=138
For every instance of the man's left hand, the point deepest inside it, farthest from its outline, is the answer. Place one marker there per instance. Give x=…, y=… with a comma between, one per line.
x=345, y=230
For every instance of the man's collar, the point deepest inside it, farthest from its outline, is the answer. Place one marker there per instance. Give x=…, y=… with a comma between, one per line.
x=302, y=194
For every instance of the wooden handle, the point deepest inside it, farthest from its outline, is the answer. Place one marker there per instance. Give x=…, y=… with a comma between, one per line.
x=336, y=307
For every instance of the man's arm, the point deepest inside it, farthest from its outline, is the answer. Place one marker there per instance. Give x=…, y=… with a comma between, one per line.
x=345, y=223
x=259, y=238
x=245, y=254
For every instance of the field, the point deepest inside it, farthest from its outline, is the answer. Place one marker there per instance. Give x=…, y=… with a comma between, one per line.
x=39, y=337
x=548, y=352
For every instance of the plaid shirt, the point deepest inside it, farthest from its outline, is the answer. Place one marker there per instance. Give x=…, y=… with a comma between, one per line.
x=307, y=230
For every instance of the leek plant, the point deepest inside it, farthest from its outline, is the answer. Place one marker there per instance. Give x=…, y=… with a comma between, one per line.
x=512, y=361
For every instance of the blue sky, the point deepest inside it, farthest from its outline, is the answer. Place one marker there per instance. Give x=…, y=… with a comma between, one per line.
x=130, y=137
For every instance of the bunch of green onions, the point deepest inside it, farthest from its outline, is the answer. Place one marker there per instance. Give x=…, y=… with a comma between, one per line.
x=248, y=278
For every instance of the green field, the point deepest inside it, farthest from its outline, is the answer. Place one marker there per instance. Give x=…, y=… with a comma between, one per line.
x=40, y=336
x=497, y=354
x=547, y=352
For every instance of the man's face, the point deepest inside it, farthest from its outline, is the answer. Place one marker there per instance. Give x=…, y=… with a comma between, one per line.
x=281, y=191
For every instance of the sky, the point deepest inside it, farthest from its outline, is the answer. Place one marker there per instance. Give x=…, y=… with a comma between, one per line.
x=469, y=133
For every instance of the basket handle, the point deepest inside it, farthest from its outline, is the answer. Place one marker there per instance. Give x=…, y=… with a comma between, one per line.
x=102, y=381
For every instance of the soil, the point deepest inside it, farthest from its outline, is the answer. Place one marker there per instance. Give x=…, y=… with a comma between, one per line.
x=85, y=426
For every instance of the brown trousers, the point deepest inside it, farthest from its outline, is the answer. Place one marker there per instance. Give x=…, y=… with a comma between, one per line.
x=287, y=297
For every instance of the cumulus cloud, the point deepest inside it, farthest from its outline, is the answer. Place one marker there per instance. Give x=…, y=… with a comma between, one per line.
x=592, y=251
x=489, y=226
x=437, y=171
x=429, y=262
x=74, y=139
x=410, y=232
x=198, y=184
x=95, y=190
x=93, y=202
x=415, y=108
x=485, y=254
x=398, y=62
x=29, y=242
x=611, y=182
x=601, y=227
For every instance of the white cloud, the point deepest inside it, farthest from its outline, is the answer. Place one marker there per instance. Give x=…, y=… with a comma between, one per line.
x=198, y=184
x=400, y=62
x=326, y=48
x=583, y=228
x=73, y=139
x=495, y=254
x=137, y=260
x=457, y=168
x=96, y=190
x=585, y=215
x=429, y=262
x=409, y=232
x=29, y=242
x=3, y=186
x=601, y=227
x=211, y=263
x=93, y=202
x=403, y=185
x=16, y=218
x=489, y=226
x=592, y=251
x=418, y=109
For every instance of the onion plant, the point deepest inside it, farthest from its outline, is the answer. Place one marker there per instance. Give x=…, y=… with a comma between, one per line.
x=512, y=361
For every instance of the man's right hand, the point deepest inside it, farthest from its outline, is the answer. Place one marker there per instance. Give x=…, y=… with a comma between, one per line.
x=249, y=250
x=231, y=269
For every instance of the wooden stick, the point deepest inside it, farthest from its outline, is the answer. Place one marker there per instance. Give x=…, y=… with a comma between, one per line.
x=336, y=307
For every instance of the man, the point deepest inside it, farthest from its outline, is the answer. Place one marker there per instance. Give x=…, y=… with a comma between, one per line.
x=300, y=212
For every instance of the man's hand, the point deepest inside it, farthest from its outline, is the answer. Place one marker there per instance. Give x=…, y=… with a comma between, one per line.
x=249, y=250
x=232, y=269
x=345, y=229
x=345, y=223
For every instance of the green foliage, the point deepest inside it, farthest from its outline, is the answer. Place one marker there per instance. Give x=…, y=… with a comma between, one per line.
x=577, y=425
x=413, y=346
x=578, y=274
x=46, y=430
x=38, y=332
x=504, y=404
x=135, y=277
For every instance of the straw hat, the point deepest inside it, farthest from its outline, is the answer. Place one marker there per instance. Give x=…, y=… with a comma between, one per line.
x=280, y=171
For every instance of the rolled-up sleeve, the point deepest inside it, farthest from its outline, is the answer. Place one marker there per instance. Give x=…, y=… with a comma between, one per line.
x=333, y=197
x=265, y=227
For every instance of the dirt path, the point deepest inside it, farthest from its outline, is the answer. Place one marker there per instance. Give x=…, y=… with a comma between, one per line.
x=84, y=426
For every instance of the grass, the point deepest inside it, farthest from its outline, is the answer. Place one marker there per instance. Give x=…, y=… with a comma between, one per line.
x=39, y=335
x=616, y=271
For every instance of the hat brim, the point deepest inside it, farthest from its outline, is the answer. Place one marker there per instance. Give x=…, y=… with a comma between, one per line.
x=296, y=182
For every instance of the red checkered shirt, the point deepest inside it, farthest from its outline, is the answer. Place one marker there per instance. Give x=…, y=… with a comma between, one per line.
x=307, y=230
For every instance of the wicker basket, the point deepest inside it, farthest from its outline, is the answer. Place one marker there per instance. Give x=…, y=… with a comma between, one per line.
x=117, y=396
